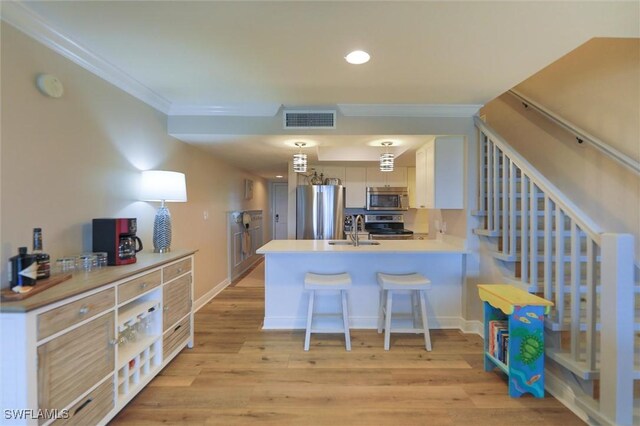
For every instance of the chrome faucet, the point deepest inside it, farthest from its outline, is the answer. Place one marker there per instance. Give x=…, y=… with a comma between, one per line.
x=355, y=237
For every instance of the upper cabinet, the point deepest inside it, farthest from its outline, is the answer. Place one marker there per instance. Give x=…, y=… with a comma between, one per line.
x=440, y=174
x=411, y=186
x=398, y=177
x=355, y=182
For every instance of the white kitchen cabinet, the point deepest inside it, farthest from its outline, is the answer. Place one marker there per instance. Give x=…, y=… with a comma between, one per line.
x=411, y=186
x=440, y=174
x=355, y=182
x=396, y=178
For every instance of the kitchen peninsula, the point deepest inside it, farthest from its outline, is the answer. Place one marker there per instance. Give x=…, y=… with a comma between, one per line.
x=287, y=261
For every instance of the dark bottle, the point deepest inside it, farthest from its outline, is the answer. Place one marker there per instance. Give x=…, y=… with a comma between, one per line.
x=23, y=268
x=42, y=258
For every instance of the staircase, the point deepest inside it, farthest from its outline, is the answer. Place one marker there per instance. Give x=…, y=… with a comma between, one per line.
x=543, y=243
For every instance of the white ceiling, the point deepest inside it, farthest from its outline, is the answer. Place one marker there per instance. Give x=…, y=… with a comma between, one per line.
x=244, y=55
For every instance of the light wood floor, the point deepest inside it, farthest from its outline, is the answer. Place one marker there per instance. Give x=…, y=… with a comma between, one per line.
x=239, y=374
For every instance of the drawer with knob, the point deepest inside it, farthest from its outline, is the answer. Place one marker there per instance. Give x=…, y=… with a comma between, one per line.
x=173, y=271
x=176, y=337
x=139, y=285
x=58, y=319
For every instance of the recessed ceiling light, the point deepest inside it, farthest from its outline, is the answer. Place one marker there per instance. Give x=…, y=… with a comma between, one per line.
x=357, y=57
x=279, y=176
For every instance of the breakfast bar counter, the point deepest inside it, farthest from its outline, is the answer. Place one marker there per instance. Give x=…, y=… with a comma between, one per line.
x=287, y=262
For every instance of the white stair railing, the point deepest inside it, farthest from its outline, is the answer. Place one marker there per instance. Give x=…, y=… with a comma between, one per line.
x=563, y=254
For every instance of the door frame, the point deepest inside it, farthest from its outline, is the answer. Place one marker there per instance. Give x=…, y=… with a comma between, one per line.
x=272, y=203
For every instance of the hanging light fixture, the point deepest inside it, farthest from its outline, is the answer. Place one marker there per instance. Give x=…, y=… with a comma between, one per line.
x=386, y=158
x=300, y=159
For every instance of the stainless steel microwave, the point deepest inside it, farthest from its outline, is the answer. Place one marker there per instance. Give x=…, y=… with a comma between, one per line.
x=387, y=198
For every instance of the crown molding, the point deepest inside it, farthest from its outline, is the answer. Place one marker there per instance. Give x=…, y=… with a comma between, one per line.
x=20, y=16
x=239, y=110
x=408, y=110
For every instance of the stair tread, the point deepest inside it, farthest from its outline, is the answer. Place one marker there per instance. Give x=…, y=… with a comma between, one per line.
x=580, y=366
x=539, y=233
x=517, y=257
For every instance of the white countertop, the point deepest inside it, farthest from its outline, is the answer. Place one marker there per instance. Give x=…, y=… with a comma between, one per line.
x=446, y=245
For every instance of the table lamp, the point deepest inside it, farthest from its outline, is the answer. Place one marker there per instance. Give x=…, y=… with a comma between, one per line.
x=163, y=186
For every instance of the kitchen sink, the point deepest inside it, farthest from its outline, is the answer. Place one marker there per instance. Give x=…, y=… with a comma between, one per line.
x=350, y=243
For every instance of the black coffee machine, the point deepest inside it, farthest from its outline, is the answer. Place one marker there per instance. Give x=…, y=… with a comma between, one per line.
x=117, y=237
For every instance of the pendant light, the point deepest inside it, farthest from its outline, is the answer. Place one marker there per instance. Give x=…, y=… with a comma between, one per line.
x=300, y=159
x=386, y=159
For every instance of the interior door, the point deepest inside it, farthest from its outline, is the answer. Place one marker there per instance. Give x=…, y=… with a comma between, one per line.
x=279, y=211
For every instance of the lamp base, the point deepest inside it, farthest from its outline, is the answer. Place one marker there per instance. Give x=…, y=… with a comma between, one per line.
x=162, y=231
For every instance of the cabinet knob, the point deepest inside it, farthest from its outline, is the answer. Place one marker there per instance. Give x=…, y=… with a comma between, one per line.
x=143, y=285
x=83, y=310
x=166, y=308
x=113, y=342
x=179, y=270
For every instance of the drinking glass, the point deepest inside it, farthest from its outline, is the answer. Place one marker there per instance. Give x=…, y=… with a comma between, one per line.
x=101, y=259
x=86, y=262
x=66, y=264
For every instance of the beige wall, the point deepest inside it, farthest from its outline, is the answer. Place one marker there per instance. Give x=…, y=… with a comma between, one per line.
x=65, y=161
x=597, y=87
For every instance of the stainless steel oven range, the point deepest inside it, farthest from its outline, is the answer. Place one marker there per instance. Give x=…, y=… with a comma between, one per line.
x=386, y=227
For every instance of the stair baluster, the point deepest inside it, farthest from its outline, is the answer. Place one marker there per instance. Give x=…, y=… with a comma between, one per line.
x=561, y=253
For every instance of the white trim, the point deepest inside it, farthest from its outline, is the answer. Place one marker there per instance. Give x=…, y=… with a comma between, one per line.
x=19, y=15
x=248, y=110
x=472, y=327
x=563, y=393
x=371, y=322
x=206, y=298
x=408, y=110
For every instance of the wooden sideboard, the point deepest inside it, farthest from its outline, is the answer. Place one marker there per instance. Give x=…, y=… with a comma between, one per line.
x=78, y=352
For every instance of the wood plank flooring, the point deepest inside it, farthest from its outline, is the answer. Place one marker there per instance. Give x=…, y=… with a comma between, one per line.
x=240, y=374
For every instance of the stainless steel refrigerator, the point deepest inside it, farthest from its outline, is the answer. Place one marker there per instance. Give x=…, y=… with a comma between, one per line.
x=320, y=212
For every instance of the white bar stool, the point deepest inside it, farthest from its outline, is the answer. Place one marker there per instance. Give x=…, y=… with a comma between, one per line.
x=332, y=282
x=415, y=283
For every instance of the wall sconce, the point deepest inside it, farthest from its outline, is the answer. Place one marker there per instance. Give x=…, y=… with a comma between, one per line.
x=300, y=159
x=163, y=186
x=386, y=159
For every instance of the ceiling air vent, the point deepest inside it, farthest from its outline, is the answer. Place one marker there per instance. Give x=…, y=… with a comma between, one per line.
x=309, y=119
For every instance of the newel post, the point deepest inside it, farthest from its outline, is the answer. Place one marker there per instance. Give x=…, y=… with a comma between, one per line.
x=617, y=323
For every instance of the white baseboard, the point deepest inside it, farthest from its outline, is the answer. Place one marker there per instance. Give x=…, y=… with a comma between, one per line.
x=368, y=323
x=472, y=327
x=245, y=266
x=205, y=298
x=563, y=393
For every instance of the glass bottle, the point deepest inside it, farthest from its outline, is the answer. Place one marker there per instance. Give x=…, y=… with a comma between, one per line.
x=22, y=269
x=42, y=258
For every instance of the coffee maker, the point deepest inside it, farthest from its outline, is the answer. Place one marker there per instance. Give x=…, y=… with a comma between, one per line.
x=117, y=237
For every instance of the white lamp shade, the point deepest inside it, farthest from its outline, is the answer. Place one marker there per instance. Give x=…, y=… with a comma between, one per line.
x=159, y=185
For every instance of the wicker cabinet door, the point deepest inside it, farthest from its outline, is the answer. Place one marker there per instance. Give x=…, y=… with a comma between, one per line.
x=177, y=301
x=72, y=363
